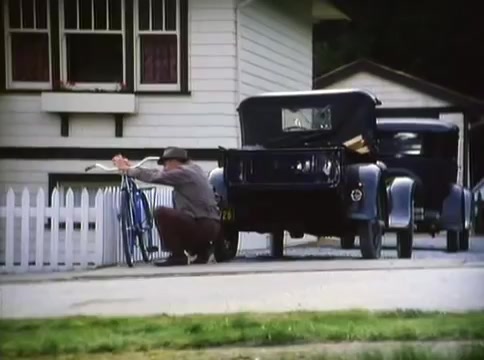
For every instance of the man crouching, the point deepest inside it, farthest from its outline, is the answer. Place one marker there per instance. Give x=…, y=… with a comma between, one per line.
x=194, y=223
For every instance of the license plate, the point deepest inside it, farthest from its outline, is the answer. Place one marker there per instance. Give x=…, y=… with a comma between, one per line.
x=228, y=215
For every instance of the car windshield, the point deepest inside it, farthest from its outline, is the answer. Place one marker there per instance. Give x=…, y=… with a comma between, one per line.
x=303, y=119
x=400, y=143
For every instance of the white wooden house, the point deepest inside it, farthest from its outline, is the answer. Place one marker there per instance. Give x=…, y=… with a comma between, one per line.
x=404, y=95
x=83, y=80
x=86, y=79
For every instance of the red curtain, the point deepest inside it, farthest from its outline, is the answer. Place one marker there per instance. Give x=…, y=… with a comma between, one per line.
x=159, y=59
x=30, y=57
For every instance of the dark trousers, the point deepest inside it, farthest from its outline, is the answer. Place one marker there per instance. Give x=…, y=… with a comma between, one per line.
x=180, y=232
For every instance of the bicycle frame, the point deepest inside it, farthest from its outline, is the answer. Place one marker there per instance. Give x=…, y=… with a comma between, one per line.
x=136, y=211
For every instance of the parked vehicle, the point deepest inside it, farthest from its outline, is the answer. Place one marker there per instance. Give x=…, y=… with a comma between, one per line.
x=426, y=150
x=307, y=166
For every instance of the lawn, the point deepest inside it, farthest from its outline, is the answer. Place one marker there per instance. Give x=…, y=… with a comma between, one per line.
x=80, y=336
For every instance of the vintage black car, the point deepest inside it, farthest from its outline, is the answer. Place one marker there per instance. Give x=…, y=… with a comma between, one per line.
x=307, y=166
x=426, y=150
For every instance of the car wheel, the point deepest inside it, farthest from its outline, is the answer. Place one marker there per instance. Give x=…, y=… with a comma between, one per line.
x=348, y=241
x=405, y=238
x=277, y=244
x=452, y=241
x=404, y=244
x=464, y=240
x=370, y=239
x=226, y=247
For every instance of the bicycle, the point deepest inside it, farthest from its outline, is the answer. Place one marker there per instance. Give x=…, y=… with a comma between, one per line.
x=135, y=215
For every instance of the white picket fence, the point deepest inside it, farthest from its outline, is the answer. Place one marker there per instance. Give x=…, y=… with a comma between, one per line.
x=59, y=238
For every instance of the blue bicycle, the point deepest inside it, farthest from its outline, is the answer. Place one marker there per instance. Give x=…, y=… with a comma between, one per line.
x=135, y=216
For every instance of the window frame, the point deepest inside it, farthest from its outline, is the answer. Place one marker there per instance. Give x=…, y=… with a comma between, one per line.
x=63, y=48
x=137, y=48
x=8, y=53
x=131, y=55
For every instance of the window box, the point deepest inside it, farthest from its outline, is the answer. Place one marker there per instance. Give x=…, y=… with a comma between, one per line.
x=95, y=102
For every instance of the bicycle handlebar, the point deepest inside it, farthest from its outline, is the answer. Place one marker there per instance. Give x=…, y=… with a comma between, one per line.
x=105, y=168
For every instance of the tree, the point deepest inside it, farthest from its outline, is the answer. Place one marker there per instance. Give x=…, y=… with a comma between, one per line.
x=440, y=41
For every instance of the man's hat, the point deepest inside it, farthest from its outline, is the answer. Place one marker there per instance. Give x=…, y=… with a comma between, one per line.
x=173, y=153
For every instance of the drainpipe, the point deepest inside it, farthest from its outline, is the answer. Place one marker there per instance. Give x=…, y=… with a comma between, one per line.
x=239, y=4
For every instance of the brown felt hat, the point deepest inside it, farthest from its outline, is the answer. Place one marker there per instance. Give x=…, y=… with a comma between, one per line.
x=173, y=153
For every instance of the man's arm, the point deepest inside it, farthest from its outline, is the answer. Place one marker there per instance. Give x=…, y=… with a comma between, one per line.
x=171, y=178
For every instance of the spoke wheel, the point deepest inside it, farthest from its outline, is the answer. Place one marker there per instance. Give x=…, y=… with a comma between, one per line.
x=145, y=236
x=371, y=233
x=464, y=240
x=227, y=245
x=348, y=241
x=452, y=241
x=127, y=229
x=405, y=239
x=277, y=244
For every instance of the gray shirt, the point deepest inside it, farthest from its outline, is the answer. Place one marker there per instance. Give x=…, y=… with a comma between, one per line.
x=193, y=194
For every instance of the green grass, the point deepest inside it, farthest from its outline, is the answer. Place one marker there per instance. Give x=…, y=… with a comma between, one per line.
x=89, y=335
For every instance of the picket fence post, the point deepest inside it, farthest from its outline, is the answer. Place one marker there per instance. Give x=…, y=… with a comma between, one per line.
x=84, y=227
x=54, y=229
x=9, y=226
x=99, y=232
x=39, y=229
x=25, y=231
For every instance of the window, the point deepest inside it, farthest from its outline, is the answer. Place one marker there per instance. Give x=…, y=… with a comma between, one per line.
x=300, y=119
x=92, y=45
x=27, y=44
x=157, y=37
x=93, y=48
x=400, y=144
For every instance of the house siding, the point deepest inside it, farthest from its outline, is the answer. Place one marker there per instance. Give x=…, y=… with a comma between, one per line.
x=394, y=95
x=275, y=52
x=205, y=118
x=275, y=47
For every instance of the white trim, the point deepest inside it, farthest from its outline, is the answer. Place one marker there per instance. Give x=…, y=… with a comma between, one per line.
x=94, y=86
x=137, y=47
x=63, y=44
x=92, y=102
x=8, y=70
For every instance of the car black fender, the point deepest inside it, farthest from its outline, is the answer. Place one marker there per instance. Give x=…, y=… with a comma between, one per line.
x=400, y=191
x=457, y=209
x=364, y=179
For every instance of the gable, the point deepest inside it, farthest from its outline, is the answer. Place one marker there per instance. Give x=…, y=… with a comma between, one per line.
x=390, y=93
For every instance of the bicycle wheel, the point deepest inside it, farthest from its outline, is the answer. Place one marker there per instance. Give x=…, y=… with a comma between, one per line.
x=127, y=229
x=145, y=236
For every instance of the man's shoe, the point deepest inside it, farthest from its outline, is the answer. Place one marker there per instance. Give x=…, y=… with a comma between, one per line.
x=207, y=257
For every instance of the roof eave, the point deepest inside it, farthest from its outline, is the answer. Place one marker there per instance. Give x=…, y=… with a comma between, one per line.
x=324, y=10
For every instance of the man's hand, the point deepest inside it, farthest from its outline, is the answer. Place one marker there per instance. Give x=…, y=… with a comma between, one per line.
x=121, y=162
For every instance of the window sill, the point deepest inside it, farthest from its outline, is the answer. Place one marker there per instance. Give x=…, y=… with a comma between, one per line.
x=88, y=102
x=161, y=92
x=136, y=92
